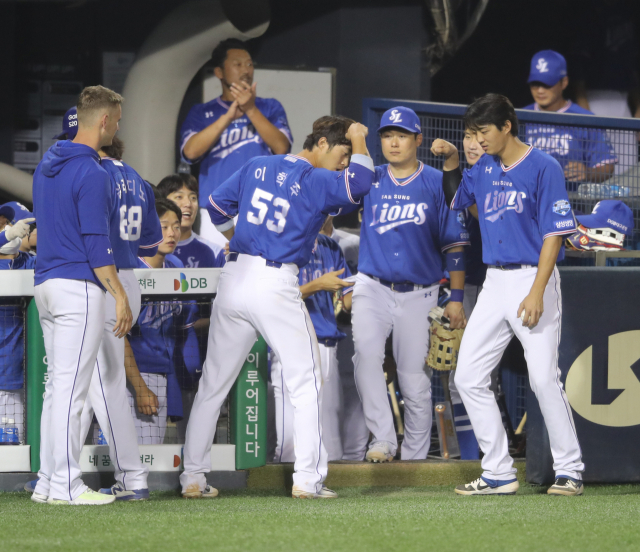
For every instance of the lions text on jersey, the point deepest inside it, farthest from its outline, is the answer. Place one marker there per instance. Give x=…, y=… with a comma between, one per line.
x=588, y=146
x=282, y=202
x=238, y=143
x=518, y=206
x=406, y=225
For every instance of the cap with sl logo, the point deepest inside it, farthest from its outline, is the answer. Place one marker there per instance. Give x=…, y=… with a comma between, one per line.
x=609, y=213
x=400, y=117
x=547, y=67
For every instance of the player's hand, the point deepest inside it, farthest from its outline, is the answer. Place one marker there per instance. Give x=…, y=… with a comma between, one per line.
x=454, y=311
x=531, y=310
x=226, y=249
x=19, y=230
x=124, y=318
x=575, y=171
x=331, y=281
x=234, y=111
x=244, y=94
x=147, y=401
x=444, y=148
x=356, y=129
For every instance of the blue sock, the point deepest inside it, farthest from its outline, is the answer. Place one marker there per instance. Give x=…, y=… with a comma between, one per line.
x=466, y=437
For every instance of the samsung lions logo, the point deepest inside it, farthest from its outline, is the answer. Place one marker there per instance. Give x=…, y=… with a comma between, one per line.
x=542, y=66
x=395, y=116
x=395, y=216
x=561, y=207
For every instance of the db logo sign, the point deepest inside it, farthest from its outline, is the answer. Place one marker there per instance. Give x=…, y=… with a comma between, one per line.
x=193, y=283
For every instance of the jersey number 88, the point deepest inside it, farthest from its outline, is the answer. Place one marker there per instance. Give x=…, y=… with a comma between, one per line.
x=130, y=223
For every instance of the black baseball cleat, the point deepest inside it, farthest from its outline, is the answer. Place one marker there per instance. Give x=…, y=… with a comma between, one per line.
x=565, y=486
x=483, y=486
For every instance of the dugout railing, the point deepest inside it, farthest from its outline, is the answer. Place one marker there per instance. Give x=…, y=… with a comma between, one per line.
x=547, y=131
x=241, y=440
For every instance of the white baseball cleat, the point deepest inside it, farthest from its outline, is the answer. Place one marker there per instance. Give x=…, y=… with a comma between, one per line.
x=566, y=487
x=39, y=498
x=483, y=486
x=88, y=498
x=379, y=452
x=297, y=492
x=193, y=491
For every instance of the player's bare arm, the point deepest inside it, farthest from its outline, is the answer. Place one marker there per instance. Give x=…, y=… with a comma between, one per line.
x=454, y=310
x=451, y=176
x=579, y=172
x=245, y=96
x=203, y=141
x=146, y=400
x=330, y=281
x=532, y=307
x=109, y=279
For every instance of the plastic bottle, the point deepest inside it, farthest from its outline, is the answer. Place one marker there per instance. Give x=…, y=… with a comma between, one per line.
x=602, y=191
x=3, y=424
x=11, y=436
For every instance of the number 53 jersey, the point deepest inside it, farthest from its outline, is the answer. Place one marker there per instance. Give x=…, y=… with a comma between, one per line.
x=282, y=201
x=134, y=227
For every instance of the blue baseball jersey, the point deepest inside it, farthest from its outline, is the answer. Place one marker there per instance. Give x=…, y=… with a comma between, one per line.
x=475, y=270
x=134, y=223
x=196, y=252
x=238, y=143
x=588, y=146
x=325, y=257
x=12, y=329
x=518, y=206
x=282, y=202
x=406, y=226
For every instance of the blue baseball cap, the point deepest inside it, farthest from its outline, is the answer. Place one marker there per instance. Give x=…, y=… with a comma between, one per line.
x=400, y=117
x=609, y=213
x=19, y=211
x=69, y=125
x=7, y=212
x=547, y=67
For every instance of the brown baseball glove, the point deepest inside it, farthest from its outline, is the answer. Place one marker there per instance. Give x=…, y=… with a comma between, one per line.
x=445, y=342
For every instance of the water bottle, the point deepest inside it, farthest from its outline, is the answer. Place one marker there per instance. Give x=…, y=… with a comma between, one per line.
x=11, y=436
x=602, y=191
x=2, y=426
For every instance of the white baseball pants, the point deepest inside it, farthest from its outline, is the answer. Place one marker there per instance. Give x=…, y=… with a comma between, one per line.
x=491, y=326
x=331, y=407
x=376, y=311
x=108, y=396
x=72, y=314
x=256, y=299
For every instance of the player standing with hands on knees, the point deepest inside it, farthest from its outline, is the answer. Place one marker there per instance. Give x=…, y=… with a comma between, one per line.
x=518, y=194
x=72, y=201
x=281, y=203
x=406, y=230
x=226, y=132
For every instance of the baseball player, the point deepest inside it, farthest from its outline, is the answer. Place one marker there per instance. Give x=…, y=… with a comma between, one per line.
x=406, y=229
x=223, y=134
x=193, y=250
x=134, y=229
x=584, y=154
x=281, y=203
x=518, y=193
x=323, y=276
x=158, y=342
x=72, y=201
x=12, y=332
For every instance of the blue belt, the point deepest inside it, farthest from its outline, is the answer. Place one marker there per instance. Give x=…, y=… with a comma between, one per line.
x=400, y=287
x=512, y=266
x=328, y=342
x=232, y=257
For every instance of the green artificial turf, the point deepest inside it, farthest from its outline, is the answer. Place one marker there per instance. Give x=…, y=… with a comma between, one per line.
x=369, y=519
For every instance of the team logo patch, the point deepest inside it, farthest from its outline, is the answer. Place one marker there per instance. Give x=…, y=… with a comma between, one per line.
x=461, y=218
x=561, y=207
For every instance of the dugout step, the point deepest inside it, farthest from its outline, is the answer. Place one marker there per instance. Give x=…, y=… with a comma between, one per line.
x=410, y=473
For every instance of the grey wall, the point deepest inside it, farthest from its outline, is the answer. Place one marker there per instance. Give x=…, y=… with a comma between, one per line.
x=377, y=52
